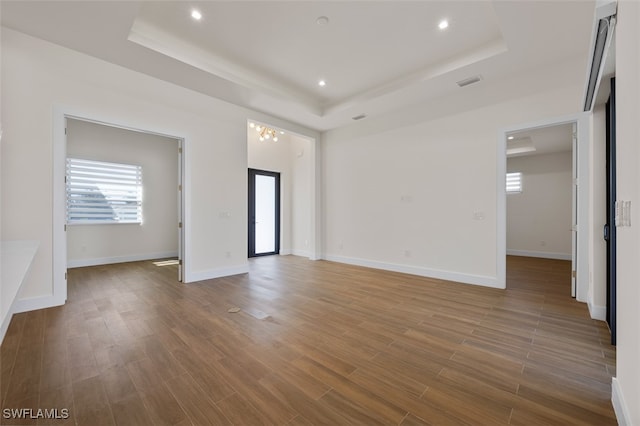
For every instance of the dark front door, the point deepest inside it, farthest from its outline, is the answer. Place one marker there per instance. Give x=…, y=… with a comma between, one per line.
x=610, y=226
x=264, y=213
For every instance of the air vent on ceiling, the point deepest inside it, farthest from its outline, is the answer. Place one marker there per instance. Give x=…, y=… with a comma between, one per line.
x=468, y=81
x=359, y=117
x=603, y=27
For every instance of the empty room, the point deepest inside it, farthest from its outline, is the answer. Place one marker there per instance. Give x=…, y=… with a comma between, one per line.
x=319, y=212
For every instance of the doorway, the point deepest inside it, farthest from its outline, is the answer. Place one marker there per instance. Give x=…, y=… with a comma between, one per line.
x=264, y=213
x=175, y=230
x=541, y=197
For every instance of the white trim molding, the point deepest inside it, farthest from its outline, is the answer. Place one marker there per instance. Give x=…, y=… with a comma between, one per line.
x=619, y=404
x=540, y=254
x=416, y=270
x=35, y=303
x=216, y=273
x=80, y=263
x=597, y=312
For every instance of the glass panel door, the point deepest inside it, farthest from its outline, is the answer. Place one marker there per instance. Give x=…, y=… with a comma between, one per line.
x=264, y=213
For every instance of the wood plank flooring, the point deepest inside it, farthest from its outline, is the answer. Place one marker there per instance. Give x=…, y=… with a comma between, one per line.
x=314, y=343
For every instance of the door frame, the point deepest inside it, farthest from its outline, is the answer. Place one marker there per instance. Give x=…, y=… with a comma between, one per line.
x=252, y=173
x=610, y=226
x=59, y=153
x=583, y=172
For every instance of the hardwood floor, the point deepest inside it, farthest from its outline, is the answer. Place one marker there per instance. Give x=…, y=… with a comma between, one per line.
x=314, y=343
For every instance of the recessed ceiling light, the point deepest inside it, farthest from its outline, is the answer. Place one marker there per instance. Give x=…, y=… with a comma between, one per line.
x=443, y=24
x=195, y=14
x=510, y=138
x=322, y=20
x=322, y=83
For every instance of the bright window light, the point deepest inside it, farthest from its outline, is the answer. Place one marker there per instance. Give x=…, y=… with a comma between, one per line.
x=514, y=183
x=100, y=192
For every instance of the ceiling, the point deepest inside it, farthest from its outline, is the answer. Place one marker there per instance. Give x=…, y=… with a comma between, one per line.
x=376, y=57
x=543, y=140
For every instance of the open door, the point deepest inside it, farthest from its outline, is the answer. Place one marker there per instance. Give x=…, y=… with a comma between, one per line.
x=180, y=213
x=574, y=210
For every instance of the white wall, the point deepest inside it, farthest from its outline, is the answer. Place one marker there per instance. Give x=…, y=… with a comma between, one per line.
x=539, y=218
x=626, y=386
x=407, y=198
x=290, y=157
x=40, y=78
x=157, y=236
x=301, y=190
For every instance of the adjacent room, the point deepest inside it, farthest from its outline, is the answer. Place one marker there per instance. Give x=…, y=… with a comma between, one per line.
x=294, y=213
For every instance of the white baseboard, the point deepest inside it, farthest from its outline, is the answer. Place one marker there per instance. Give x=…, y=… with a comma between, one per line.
x=619, y=405
x=31, y=304
x=7, y=320
x=285, y=252
x=79, y=263
x=597, y=312
x=26, y=305
x=301, y=253
x=541, y=254
x=415, y=270
x=216, y=273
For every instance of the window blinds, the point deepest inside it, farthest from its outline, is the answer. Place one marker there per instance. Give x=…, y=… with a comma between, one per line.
x=101, y=192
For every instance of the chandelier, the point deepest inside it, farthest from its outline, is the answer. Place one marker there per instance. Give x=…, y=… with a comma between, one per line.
x=265, y=132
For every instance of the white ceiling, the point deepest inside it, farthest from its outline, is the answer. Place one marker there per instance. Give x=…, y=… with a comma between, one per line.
x=377, y=57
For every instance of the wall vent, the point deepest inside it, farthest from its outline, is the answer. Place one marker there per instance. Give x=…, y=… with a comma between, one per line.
x=468, y=81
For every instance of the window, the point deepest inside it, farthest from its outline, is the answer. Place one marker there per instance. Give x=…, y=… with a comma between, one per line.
x=514, y=183
x=99, y=192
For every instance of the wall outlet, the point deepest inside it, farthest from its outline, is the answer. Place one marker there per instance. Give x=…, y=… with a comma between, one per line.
x=478, y=215
x=227, y=254
x=407, y=253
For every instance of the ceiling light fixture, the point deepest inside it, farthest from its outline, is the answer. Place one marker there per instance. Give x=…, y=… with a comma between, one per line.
x=322, y=83
x=322, y=20
x=510, y=138
x=266, y=133
x=195, y=14
x=443, y=24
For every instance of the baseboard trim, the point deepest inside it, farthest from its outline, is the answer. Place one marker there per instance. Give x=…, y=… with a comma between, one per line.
x=415, y=270
x=25, y=305
x=34, y=303
x=285, y=252
x=540, y=254
x=216, y=273
x=301, y=253
x=80, y=263
x=597, y=312
x=7, y=320
x=619, y=405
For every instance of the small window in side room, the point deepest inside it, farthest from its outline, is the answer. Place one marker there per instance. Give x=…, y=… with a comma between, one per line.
x=514, y=183
x=100, y=192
